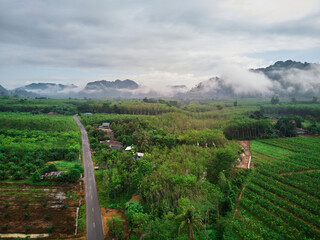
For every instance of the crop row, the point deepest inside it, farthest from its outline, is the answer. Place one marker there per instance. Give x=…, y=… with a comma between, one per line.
x=291, y=194
x=294, y=224
x=298, y=211
x=251, y=228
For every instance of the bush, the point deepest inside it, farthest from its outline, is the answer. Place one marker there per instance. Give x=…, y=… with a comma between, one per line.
x=116, y=227
x=49, y=229
x=71, y=156
x=26, y=215
x=36, y=177
x=49, y=168
x=3, y=175
x=73, y=175
x=18, y=175
x=47, y=217
x=64, y=206
x=28, y=228
x=25, y=205
x=4, y=227
x=44, y=204
x=6, y=214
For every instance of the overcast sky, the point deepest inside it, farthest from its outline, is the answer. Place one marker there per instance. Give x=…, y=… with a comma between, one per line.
x=154, y=42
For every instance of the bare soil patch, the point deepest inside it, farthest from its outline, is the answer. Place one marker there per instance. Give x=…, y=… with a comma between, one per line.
x=31, y=209
x=135, y=198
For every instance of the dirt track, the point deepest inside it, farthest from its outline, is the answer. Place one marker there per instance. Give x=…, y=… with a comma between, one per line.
x=246, y=156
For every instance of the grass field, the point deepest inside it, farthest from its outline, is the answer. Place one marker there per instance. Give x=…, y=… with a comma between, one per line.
x=281, y=199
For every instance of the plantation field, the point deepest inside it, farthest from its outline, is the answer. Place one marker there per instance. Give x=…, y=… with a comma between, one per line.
x=28, y=142
x=31, y=146
x=282, y=198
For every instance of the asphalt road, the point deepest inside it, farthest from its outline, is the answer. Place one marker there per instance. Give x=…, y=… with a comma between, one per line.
x=94, y=219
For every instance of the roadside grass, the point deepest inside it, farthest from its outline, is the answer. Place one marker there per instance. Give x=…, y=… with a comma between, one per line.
x=82, y=218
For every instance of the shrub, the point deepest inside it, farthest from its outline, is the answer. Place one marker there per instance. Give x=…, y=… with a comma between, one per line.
x=64, y=206
x=25, y=205
x=47, y=217
x=44, y=204
x=28, y=228
x=6, y=205
x=116, y=227
x=74, y=175
x=4, y=227
x=49, y=229
x=6, y=214
x=26, y=215
x=19, y=175
x=3, y=175
x=36, y=177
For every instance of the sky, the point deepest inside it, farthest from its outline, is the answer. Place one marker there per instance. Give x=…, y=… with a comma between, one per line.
x=155, y=43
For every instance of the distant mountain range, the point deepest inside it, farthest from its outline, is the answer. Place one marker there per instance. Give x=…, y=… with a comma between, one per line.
x=287, y=78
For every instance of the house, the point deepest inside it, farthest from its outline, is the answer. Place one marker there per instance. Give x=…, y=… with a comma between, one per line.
x=114, y=144
x=138, y=155
x=51, y=175
x=129, y=148
x=300, y=131
x=106, y=125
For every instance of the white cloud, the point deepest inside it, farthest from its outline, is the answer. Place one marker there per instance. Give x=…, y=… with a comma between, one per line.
x=164, y=41
x=271, y=11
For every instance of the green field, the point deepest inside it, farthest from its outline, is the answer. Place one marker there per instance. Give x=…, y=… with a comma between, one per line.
x=28, y=142
x=281, y=199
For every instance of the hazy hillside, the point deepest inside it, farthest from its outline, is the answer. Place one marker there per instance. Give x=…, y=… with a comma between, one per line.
x=3, y=91
x=287, y=79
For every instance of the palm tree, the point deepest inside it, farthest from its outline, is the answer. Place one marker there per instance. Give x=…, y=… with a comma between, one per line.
x=189, y=220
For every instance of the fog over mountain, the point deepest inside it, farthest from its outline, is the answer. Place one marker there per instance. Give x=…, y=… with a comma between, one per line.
x=286, y=79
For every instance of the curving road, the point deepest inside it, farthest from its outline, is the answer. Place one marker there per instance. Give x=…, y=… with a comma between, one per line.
x=94, y=220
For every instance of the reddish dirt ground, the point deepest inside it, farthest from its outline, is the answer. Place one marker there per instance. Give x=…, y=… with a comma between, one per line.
x=21, y=205
x=135, y=198
x=108, y=214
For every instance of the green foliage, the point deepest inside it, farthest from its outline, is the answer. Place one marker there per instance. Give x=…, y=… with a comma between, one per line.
x=248, y=128
x=36, y=177
x=286, y=127
x=275, y=100
x=297, y=109
x=50, y=228
x=73, y=175
x=115, y=226
x=222, y=162
x=136, y=217
x=188, y=221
